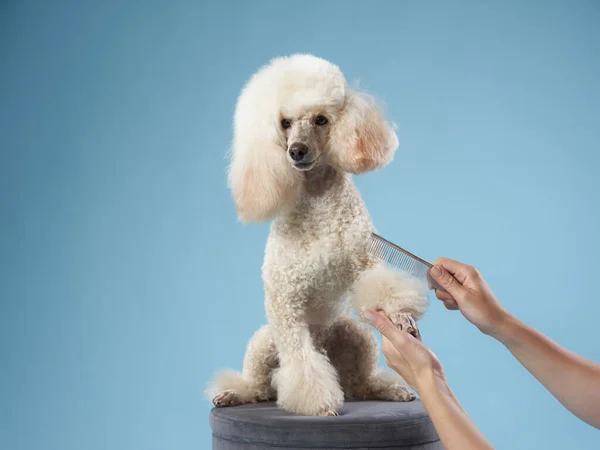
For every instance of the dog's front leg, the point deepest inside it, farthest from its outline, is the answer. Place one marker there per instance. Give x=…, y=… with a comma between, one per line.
x=403, y=299
x=306, y=381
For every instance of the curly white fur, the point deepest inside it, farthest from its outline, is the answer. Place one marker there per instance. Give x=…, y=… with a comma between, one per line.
x=380, y=288
x=311, y=355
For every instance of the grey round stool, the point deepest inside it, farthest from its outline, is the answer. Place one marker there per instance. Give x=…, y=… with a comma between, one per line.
x=360, y=425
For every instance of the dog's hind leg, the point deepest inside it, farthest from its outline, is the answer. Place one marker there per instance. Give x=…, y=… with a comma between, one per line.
x=354, y=352
x=253, y=384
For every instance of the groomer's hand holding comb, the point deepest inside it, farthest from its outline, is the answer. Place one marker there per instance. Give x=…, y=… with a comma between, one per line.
x=468, y=292
x=571, y=379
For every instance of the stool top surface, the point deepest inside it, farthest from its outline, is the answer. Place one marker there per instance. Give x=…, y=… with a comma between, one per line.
x=360, y=424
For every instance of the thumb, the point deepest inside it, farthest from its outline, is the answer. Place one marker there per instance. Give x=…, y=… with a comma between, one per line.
x=447, y=281
x=383, y=325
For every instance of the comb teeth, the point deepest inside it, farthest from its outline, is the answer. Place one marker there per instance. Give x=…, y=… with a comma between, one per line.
x=401, y=259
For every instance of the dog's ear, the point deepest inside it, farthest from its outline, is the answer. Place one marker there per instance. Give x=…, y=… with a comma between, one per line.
x=261, y=179
x=361, y=140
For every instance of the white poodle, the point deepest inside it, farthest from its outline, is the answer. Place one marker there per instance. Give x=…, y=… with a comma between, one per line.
x=300, y=134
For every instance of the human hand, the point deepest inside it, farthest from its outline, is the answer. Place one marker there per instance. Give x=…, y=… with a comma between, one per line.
x=404, y=353
x=468, y=292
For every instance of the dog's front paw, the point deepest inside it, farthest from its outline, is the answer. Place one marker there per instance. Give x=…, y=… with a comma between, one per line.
x=405, y=322
x=309, y=387
x=227, y=398
x=327, y=413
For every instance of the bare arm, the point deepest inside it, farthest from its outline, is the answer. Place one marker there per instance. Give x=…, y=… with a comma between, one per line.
x=455, y=428
x=423, y=372
x=573, y=380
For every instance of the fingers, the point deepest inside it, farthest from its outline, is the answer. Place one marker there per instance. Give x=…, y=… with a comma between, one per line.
x=387, y=347
x=385, y=326
x=447, y=299
x=418, y=334
x=390, y=352
x=444, y=296
x=452, y=306
x=447, y=280
x=381, y=322
x=452, y=266
x=459, y=270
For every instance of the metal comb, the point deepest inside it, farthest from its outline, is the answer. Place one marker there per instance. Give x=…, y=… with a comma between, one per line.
x=402, y=259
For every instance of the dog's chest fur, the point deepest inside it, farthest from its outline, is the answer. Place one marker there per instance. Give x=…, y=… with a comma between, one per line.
x=317, y=248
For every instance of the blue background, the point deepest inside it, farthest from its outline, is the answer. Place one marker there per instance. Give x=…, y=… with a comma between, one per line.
x=126, y=280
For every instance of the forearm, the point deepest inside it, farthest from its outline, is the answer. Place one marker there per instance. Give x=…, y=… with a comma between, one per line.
x=453, y=425
x=573, y=380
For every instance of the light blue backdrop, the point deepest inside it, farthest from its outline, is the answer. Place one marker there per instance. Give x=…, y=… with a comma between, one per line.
x=126, y=280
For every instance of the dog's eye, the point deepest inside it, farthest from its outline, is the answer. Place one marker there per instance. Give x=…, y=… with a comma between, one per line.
x=321, y=120
x=285, y=123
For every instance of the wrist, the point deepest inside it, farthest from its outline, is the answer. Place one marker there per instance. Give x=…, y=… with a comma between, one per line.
x=430, y=382
x=506, y=328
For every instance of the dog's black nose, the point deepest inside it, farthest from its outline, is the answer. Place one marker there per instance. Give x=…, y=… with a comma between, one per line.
x=297, y=151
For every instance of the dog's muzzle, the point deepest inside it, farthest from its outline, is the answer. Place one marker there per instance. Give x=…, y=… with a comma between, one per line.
x=298, y=151
x=298, y=154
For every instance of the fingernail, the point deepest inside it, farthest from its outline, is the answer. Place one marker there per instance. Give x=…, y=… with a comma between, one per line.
x=369, y=315
x=436, y=271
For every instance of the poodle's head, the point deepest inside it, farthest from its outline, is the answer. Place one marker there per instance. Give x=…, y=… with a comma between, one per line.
x=295, y=115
